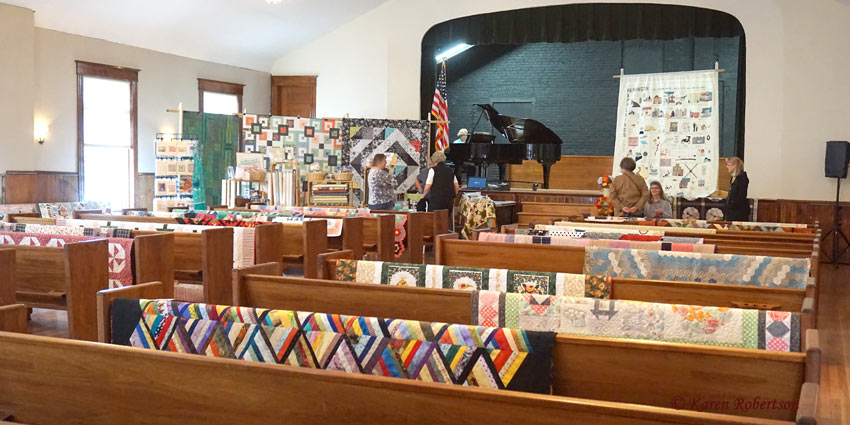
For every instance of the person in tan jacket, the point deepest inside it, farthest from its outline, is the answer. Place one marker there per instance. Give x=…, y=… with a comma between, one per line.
x=629, y=192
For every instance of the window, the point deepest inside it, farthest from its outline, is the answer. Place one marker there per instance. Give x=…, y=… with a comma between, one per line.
x=107, y=133
x=218, y=97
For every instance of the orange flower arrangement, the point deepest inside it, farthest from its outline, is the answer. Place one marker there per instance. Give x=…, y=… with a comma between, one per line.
x=604, y=206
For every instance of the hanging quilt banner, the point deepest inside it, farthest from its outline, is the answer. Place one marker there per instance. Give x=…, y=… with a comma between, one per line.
x=668, y=123
x=406, y=140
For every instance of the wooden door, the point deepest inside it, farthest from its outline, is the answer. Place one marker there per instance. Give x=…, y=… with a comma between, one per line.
x=294, y=96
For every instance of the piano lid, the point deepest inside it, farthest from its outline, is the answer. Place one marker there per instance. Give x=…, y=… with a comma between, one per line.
x=520, y=130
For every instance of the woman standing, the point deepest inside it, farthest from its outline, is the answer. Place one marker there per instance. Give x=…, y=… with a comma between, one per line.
x=628, y=191
x=441, y=186
x=658, y=206
x=737, y=207
x=381, y=185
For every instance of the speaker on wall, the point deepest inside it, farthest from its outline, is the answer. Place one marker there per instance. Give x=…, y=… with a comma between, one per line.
x=837, y=159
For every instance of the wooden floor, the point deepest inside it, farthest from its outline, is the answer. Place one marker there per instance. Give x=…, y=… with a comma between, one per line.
x=833, y=323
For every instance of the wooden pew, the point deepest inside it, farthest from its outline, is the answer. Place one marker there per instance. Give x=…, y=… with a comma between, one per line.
x=586, y=367
x=68, y=278
x=550, y=258
x=63, y=372
x=13, y=317
x=297, y=244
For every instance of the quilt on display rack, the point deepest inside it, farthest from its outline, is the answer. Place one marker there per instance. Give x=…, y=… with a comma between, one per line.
x=406, y=140
x=669, y=124
x=731, y=269
x=307, y=141
x=119, y=251
x=624, y=244
x=690, y=324
x=466, y=355
x=470, y=278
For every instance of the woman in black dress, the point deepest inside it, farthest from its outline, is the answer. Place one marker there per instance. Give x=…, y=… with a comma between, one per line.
x=737, y=207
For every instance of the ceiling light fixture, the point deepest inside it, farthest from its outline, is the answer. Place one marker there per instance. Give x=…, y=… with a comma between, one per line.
x=274, y=1
x=451, y=52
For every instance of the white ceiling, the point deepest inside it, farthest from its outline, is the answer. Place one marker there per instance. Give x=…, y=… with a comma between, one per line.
x=246, y=33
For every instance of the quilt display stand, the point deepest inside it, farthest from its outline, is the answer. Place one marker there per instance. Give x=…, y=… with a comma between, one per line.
x=836, y=231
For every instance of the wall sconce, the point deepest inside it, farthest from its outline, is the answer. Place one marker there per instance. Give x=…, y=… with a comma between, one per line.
x=40, y=131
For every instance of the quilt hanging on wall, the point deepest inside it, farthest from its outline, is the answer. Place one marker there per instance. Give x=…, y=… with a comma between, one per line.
x=407, y=140
x=305, y=140
x=668, y=123
x=218, y=141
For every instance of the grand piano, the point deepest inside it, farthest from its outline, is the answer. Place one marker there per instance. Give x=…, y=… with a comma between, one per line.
x=529, y=140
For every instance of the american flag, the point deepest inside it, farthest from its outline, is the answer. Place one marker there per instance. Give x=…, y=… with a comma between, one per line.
x=440, y=111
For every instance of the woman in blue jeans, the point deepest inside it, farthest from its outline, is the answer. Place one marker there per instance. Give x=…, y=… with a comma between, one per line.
x=381, y=185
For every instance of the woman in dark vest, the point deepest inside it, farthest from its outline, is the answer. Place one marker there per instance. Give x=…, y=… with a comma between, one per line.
x=441, y=185
x=737, y=207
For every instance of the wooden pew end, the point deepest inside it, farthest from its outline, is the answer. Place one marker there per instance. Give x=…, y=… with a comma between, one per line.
x=327, y=261
x=151, y=290
x=13, y=318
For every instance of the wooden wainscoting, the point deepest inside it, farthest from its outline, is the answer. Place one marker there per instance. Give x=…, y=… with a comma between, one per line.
x=27, y=187
x=808, y=212
x=581, y=172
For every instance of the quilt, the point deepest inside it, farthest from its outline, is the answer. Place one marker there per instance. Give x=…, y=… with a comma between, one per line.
x=566, y=241
x=690, y=324
x=669, y=124
x=469, y=278
x=305, y=140
x=407, y=140
x=119, y=251
x=477, y=213
x=218, y=142
x=477, y=356
x=728, y=269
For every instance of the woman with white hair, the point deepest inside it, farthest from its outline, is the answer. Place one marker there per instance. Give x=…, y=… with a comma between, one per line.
x=462, y=135
x=441, y=186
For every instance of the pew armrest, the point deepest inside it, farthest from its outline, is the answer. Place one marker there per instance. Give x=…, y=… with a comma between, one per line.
x=327, y=262
x=813, y=354
x=151, y=290
x=810, y=282
x=13, y=318
x=808, y=404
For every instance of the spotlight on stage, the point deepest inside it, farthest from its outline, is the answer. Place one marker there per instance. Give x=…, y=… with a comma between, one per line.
x=452, y=52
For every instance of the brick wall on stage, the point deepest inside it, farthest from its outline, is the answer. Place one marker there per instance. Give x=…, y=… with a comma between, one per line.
x=570, y=87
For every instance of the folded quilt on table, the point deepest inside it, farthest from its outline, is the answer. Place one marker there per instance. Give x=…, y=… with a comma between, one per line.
x=478, y=356
x=691, y=324
x=695, y=267
x=470, y=278
x=608, y=243
x=119, y=251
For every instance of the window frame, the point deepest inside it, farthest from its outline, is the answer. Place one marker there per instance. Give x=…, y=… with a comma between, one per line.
x=219, y=87
x=130, y=75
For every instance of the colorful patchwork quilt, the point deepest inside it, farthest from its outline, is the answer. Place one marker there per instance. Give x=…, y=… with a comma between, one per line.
x=583, y=242
x=120, y=250
x=724, y=327
x=477, y=356
x=469, y=278
x=729, y=269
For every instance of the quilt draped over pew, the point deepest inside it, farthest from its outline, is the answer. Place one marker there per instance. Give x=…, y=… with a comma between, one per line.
x=624, y=244
x=691, y=324
x=470, y=278
x=730, y=269
x=496, y=358
x=120, y=251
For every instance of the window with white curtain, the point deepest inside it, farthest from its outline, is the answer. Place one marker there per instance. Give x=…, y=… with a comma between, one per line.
x=108, y=135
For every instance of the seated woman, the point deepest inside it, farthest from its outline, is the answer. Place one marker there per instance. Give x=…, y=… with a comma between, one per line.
x=628, y=191
x=658, y=206
x=381, y=185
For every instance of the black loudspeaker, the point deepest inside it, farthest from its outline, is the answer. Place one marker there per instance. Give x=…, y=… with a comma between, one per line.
x=837, y=159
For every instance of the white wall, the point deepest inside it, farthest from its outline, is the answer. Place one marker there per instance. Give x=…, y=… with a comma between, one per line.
x=16, y=87
x=164, y=81
x=798, y=94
